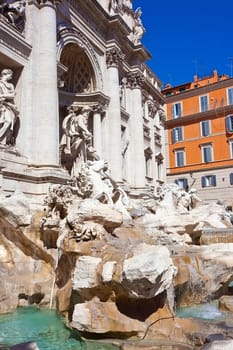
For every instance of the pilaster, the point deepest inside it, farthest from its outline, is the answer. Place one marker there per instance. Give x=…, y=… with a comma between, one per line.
x=113, y=59
x=136, y=146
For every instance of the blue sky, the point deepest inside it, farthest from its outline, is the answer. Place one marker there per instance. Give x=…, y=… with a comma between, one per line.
x=186, y=37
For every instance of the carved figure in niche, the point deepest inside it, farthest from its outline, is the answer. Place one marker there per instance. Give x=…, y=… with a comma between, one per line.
x=138, y=29
x=14, y=12
x=8, y=110
x=77, y=139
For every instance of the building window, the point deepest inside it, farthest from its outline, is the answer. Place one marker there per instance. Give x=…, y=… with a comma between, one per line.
x=204, y=103
x=177, y=134
x=207, y=153
x=182, y=183
x=176, y=110
x=229, y=123
x=230, y=96
x=231, y=148
x=208, y=181
x=180, y=157
x=205, y=128
x=231, y=178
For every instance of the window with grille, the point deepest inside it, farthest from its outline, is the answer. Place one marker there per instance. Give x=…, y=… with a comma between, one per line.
x=79, y=76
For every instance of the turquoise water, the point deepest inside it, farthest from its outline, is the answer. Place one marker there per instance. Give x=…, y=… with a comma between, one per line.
x=43, y=327
x=208, y=312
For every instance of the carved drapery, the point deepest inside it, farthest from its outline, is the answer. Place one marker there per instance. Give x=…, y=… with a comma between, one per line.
x=114, y=57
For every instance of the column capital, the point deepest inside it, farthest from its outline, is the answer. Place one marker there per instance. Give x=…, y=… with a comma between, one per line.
x=42, y=3
x=135, y=80
x=114, y=57
x=99, y=108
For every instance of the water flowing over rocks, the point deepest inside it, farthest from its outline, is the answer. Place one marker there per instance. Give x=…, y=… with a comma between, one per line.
x=110, y=274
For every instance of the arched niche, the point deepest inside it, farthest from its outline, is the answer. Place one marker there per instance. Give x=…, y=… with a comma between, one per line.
x=73, y=43
x=79, y=77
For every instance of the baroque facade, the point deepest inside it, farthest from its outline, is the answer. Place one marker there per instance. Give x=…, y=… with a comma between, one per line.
x=64, y=57
x=199, y=131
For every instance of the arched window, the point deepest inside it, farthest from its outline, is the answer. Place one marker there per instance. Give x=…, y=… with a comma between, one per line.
x=80, y=75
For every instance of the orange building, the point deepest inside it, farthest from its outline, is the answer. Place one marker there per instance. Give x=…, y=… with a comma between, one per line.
x=199, y=130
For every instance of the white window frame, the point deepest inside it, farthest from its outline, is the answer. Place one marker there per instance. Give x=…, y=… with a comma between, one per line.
x=176, y=114
x=231, y=148
x=230, y=99
x=202, y=128
x=177, y=134
x=176, y=151
x=203, y=153
x=206, y=104
x=210, y=181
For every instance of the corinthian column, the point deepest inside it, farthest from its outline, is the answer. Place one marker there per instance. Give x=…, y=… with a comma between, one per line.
x=113, y=58
x=46, y=151
x=136, y=145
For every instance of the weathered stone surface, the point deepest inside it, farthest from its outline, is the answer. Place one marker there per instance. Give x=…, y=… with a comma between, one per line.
x=103, y=317
x=85, y=272
x=149, y=272
x=93, y=210
x=26, y=268
x=225, y=303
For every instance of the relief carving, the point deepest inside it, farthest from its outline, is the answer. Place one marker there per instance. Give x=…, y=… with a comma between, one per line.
x=14, y=13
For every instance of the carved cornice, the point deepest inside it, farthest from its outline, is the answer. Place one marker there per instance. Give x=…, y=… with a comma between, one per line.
x=135, y=80
x=114, y=57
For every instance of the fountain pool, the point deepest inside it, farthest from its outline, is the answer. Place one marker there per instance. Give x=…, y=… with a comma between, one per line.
x=44, y=327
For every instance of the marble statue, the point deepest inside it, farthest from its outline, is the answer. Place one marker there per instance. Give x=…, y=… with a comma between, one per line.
x=115, y=6
x=77, y=139
x=120, y=6
x=8, y=110
x=138, y=29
